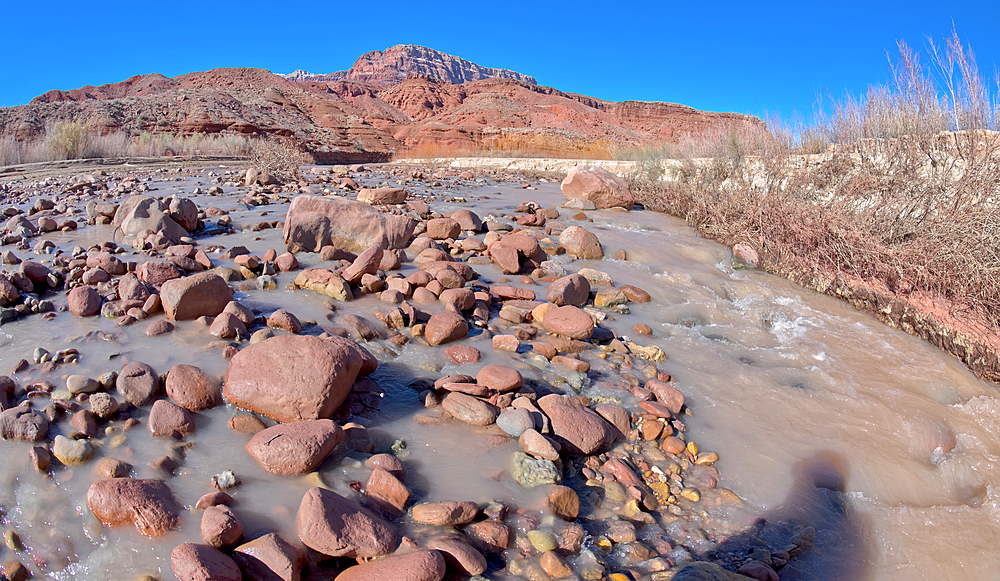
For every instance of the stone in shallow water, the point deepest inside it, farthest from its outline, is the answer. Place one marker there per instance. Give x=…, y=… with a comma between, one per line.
x=529, y=472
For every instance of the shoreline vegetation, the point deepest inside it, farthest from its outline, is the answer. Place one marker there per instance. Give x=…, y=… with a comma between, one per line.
x=889, y=200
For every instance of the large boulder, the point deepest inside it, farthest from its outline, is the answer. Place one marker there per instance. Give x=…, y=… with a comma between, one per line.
x=190, y=297
x=139, y=213
x=572, y=289
x=419, y=565
x=338, y=527
x=603, y=188
x=296, y=377
x=579, y=429
x=23, y=424
x=148, y=504
x=313, y=222
x=192, y=562
x=295, y=447
x=269, y=558
x=581, y=243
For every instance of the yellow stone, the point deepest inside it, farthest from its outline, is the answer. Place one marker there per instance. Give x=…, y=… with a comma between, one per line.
x=706, y=458
x=693, y=448
x=691, y=494
x=543, y=540
x=618, y=577
x=661, y=489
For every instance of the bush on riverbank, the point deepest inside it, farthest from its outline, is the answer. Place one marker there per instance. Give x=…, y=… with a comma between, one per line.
x=905, y=196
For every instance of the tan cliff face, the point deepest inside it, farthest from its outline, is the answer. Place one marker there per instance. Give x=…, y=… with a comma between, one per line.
x=402, y=98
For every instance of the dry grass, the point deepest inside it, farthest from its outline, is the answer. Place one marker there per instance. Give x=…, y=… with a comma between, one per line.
x=906, y=195
x=75, y=140
x=276, y=158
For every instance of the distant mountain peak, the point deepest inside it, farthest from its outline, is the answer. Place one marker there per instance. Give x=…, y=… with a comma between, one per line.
x=389, y=67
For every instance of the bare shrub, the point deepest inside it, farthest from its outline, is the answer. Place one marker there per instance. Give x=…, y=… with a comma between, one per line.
x=67, y=139
x=276, y=157
x=898, y=189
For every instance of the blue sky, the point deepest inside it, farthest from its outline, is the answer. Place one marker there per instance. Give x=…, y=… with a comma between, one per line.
x=748, y=57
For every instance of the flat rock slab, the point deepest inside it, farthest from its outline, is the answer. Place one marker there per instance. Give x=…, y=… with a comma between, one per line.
x=149, y=504
x=338, y=527
x=295, y=447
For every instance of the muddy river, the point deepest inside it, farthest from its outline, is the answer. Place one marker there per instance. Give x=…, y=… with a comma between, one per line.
x=801, y=396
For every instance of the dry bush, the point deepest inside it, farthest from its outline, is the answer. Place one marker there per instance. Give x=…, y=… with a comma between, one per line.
x=67, y=139
x=905, y=193
x=276, y=158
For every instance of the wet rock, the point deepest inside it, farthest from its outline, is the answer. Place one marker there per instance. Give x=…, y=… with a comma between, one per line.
x=14, y=570
x=460, y=354
x=227, y=326
x=40, y=458
x=570, y=322
x=159, y=327
x=286, y=262
x=506, y=258
x=515, y=421
x=445, y=327
x=538, y=445
x=148, y=504
x=84, y=423
x=443, y=228
x=388, y=196
x=269, y=558
x=635, y=294
x=530, y=472
x=562, y=502
x=190, y=297
x=295, y=447
x=553, y=564
x=366, y=263
x=470, y=409
x=295, y=377
x=193, y=389
x=705, y=571
x=489, y=536
x=414, y=566
x=23, y=424
x=335, y=526
x=84, y=301
x=597, y=185
x=581, y=243
x=72, y=452
x=112, y=468
x=137, y=383
x=103, y=405
x=449, y=513
x=459, y=555
x=220, y=527
x=156, y=273
x=314, y=222
x=578, y=428
x=169, y=420
x=386, y=492
x=184, y=212
x=617, y=417
x=192, y=562
x=572, y=289
x=543, y=540
x=666, y=394
x=500, y=378
x=81, y=384
x=282, y=319
x=138, y=213
x=213, y=499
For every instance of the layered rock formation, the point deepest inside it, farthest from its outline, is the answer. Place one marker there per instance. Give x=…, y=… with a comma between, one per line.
x=388, y=103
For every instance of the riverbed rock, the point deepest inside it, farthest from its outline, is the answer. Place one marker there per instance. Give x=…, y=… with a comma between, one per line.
x=414, y=566
x=388, y=196
x=148, y=504
x=448, y=513
x=598, y=185
x=705, y=571
x=366, y=263
x=387, y=492
x=295, y=447
x=578, y=428
x=296, y=377
x=190, y=297
x=72, y=452
x=581, y=243
x=313, y=222
x=169, y=420
x=572, y=289
x=562, y=502
x=500, y=378
x=193, y=562
x=469, y=409
x=459, y=555
x=443, y=228
x=666, y=394
x=157, y=272
x=220, y=527
x=338, y=527
x=137, y=383
x=570, y=322
x=138, y=213
x=193, y=389
x=530, y=472
x=269, y=558
x=23, y=424
x=84, y=301
x=445, y=327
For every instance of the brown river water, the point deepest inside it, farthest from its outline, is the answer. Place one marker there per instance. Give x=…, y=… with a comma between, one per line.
x=791, y=388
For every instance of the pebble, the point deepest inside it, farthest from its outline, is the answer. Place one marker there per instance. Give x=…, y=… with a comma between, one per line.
x=543, y=540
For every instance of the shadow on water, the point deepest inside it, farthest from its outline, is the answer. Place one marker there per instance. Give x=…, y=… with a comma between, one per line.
x=816, y=529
